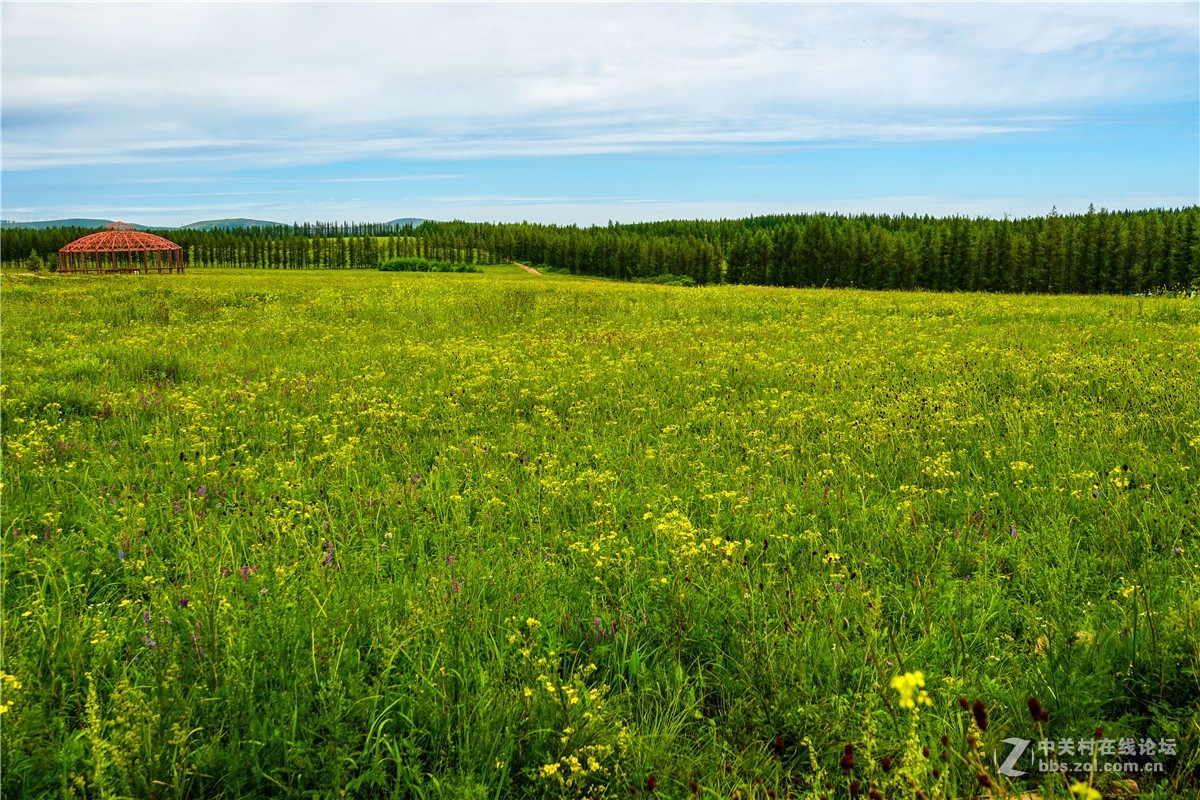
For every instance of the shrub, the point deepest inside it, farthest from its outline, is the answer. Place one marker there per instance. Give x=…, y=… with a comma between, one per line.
x=34, y=263
x=416, y=264
x=667, y=279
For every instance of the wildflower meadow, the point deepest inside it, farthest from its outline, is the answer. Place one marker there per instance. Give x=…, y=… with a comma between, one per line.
x=501, y=535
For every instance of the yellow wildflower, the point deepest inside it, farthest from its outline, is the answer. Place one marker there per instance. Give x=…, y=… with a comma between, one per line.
x=910, y=684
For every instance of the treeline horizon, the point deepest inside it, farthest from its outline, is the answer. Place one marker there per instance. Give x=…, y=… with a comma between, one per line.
x=1098, y=252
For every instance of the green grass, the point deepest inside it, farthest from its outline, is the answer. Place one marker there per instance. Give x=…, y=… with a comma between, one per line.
x=502, y=535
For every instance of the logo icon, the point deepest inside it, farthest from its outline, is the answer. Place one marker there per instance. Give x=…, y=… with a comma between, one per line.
x=1019, y=746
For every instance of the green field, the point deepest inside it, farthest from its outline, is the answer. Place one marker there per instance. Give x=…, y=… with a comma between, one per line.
x=314, y=534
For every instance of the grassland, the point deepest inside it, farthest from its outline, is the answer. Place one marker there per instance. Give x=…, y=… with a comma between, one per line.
x=503, y=535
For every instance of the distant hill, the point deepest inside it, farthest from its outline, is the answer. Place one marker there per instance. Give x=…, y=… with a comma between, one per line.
x=204, y=225
x=228, y=224
x=64, y=223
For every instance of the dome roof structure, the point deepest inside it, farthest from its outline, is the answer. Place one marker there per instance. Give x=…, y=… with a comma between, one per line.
x=120, y=248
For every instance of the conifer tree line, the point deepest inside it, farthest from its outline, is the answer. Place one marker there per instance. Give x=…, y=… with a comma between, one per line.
x=308, y=246
x=1097, y=252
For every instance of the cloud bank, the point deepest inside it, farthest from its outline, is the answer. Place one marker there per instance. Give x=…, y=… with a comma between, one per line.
x=578, y=112
x=302, y=83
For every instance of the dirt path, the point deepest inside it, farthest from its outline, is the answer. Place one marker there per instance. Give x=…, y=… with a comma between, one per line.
x=528, y=269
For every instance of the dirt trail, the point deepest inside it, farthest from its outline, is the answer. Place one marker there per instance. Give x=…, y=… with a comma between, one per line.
x=527, y=268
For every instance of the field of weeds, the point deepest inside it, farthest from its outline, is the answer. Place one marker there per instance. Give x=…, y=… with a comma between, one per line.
x=506, y=535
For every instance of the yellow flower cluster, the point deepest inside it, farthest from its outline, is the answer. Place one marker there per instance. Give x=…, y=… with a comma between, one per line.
x=910, y=685
x=8, y=684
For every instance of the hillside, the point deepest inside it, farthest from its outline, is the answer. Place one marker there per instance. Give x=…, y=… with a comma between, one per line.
x=233, y=223
x=74, y=222
x=227, y=224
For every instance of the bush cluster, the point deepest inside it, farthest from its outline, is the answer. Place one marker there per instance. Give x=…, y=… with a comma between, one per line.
x=667, y=279
x=417, y=264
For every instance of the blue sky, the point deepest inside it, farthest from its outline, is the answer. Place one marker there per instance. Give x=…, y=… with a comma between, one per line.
x=583, y=113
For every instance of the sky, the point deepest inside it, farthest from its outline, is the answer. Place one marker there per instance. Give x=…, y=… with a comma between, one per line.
x=581, y=113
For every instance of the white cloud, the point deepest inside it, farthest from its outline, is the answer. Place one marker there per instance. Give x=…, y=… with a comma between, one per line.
x=287, y=83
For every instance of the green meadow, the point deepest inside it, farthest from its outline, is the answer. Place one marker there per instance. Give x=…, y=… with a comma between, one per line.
x=500, y=535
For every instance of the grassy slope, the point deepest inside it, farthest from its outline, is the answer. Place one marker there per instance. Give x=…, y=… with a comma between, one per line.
x=440, y=534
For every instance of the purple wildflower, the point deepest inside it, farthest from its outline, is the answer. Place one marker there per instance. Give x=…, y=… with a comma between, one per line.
x=183, y=601
x=120, y=554
x=146, y=640
x=451, y=560
x=245, y=572
x=201, y=491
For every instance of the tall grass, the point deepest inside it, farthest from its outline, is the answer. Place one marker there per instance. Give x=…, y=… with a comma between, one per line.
x=415, y=535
